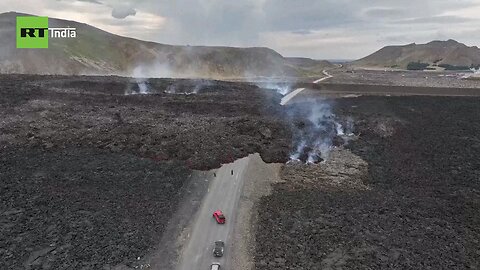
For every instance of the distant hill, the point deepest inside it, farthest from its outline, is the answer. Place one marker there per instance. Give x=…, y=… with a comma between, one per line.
x=308, y=65
x=448, y=54
x=95, y=51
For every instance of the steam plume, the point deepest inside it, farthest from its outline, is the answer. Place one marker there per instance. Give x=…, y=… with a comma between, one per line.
x=186, y=87
x=316, y=130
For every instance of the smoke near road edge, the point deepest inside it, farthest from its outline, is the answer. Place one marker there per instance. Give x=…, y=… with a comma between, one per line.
x=316, y=129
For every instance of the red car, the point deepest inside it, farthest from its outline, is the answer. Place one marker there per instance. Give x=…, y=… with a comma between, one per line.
x=219, y=217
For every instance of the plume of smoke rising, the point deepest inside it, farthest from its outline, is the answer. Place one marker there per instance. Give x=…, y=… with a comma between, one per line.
x=349, y=126
x=315, y=127
x=143, y=87
x=281, y=88
x=141, y=82
x=142, y=72
x=474, y=73
x=188, y=87
x=278, y=82
x=298, y=150
x=339, y=129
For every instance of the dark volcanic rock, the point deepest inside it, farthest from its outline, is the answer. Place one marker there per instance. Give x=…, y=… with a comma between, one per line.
x=420, y=210
x=225, y=121
x=91, y=176
x=338, y=141
x=76, y=207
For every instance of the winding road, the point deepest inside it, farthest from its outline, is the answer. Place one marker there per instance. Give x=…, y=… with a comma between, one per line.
x=297, y=91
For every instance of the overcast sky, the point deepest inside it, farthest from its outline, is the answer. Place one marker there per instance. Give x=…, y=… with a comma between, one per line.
x=322, y=29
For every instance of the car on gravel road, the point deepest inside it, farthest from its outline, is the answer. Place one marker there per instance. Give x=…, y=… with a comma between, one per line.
x=215, y=266
x=219, y=217
x=218, y=249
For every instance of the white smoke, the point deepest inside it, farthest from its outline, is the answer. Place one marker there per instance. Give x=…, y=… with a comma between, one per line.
x=281, y=88
x=141, y=82
x=142, y=72
x=189, y=87
x=298, y=150
x=474, y=73
x=143, y=87
x=349, y=127
x=340, y=131
x=320, y=150
x=279, y=85
x=315, y=131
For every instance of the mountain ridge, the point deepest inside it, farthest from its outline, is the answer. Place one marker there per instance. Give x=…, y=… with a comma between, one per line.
x=98, y=52
x=449, y=54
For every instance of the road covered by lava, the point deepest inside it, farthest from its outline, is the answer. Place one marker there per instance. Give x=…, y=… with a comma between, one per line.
x=93, y=170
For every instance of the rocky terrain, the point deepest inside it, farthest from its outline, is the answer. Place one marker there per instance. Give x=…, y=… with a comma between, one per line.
x=93, y=168
x=172, y=123
x=403, y=195
x=83, y=208
x=92, y=171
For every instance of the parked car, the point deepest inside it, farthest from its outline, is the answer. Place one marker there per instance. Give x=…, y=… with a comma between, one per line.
x=218, y=249
x=215, y=266
x=219, y=217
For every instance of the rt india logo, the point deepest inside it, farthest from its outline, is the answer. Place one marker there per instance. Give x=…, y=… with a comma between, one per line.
x=33, y=32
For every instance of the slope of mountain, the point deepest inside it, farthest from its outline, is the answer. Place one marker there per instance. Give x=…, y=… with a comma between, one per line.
x=95, y=51
x=450, y=54
x=308, y=66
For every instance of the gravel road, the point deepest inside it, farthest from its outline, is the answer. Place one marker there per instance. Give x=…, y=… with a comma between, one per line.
x=224, y=194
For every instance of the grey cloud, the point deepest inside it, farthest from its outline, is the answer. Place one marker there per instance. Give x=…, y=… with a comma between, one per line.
x=302, y=32
x=394, y=39
x=308, y=14
x=121, y=12
x=382, y=12
x=244, y=22
x=109, y=21
x=436, y=20
x=372, y=23
x=91, y=1
x=204, y=20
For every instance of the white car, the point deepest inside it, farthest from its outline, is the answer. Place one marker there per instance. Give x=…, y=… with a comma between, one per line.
x=215, y=266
